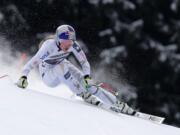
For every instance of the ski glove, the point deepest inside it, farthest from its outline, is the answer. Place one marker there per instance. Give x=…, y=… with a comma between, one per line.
x=88, y=82
x=22, y=82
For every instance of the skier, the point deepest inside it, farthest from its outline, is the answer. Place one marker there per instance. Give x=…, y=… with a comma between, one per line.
x=54, y=68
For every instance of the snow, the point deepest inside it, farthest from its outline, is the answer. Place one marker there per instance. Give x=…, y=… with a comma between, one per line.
x=105, y=32
x=32, y=113
x=128, y=5
x=174, y=5
x=1, y=17
x=96, y=2
x=108, y=54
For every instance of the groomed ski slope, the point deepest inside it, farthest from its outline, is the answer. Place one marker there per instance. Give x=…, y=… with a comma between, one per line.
x=28, y=112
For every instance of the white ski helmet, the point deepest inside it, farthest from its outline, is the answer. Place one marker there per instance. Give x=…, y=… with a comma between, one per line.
x=65, y=32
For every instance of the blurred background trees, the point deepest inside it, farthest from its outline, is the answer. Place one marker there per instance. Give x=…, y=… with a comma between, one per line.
x=135, y=42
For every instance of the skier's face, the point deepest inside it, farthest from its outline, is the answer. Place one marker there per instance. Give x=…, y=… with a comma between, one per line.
x=66, y=44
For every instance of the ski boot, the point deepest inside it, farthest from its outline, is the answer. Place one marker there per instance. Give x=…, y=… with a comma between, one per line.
x=89, y=98
x=122, y=107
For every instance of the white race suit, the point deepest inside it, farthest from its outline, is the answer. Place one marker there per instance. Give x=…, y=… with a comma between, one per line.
x=54, y=68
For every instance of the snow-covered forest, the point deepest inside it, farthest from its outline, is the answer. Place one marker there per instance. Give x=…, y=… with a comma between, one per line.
x=132, y=44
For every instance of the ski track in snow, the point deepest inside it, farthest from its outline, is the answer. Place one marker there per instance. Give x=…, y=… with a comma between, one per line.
x=31, y=112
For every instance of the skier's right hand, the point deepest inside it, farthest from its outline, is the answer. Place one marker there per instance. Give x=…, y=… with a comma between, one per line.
x=22, y=82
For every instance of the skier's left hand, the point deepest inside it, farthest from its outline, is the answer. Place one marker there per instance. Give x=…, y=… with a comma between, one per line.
x=88, y=82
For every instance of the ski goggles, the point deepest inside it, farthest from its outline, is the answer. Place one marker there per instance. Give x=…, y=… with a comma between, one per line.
x=64, y=35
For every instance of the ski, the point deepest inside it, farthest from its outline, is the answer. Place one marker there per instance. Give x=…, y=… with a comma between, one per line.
x=141, y=115
x=150, y=117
